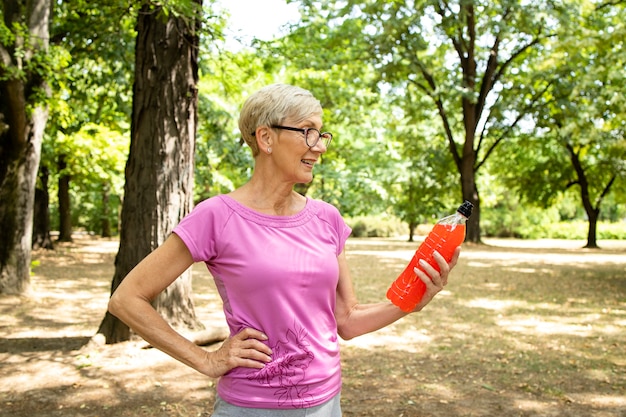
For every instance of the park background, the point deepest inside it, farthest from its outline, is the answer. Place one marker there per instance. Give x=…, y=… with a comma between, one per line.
x=518, y=107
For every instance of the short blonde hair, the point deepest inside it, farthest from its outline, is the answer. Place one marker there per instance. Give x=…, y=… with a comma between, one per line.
x=271, y=105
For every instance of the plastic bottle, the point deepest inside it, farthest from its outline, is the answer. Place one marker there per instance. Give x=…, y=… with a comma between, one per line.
x=448, y=233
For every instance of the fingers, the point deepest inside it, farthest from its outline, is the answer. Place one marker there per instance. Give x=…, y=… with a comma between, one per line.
x=437, y=278
x=455, y=257
x=245, y=349
x=444, y=268
x=250, y=334
x=430, y=276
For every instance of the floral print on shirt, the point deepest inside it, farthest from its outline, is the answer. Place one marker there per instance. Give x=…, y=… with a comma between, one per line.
x=291, y=358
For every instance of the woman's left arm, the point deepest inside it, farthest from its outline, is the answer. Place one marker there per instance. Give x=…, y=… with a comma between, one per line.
x=354, y=319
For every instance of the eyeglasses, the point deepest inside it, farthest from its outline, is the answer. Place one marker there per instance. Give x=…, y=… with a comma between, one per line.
x=311, y=135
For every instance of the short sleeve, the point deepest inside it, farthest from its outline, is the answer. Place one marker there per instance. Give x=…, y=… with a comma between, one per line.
x=199, y=229
x=330, y=214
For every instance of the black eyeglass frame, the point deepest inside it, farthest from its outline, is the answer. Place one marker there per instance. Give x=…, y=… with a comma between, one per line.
x=305, y=131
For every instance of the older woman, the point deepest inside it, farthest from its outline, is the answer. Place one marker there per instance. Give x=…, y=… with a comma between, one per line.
x=278, y=262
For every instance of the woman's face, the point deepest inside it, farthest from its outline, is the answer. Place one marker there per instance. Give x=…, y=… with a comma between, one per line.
x=292, y=155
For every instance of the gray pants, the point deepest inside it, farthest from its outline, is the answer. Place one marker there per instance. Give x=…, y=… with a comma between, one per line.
x=330, y=408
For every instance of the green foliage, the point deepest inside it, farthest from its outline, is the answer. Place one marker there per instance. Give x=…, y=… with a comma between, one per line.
x=577, y=143
x=26, y=58
x=376, y=226
x=512, y=220
x=426, y=182
x=578, y=230
x=386, y=73
x=95, y=158
x=90, y=105
x=223, y=161
x=501, y=222
x=390, y=153
x=563, y=220
x=186, y=9
x=544, y=224
x=95, y=85
x=441, y=71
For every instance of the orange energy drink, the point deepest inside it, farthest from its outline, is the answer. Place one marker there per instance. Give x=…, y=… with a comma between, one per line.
x=407, y=290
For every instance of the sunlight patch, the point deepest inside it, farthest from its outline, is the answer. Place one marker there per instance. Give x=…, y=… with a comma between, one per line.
x=536, y=325
x=598, y=400
x=531, y=405
x=496, y=305
x=442, y=391
x=411, y=341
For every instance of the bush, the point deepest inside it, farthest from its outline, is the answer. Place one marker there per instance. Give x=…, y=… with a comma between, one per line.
x=578, y=230
x=556, y=230
x=534, y=225
x=377, y=226
x=359, y=228
x=516, y=222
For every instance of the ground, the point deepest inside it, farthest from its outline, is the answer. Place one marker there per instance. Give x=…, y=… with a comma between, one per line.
x=523, y=329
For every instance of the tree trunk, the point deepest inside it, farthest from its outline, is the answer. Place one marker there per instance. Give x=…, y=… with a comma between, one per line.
x=159, y=172
x=469, y=188
x=105, y=224
x=470, y=193
x=592, y=212
x=41, y=213
x=23, y=117
x=65, y=210
x=412, y=226
x=592, y=241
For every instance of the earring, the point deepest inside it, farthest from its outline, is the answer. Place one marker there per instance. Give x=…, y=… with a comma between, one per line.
x=269, y=150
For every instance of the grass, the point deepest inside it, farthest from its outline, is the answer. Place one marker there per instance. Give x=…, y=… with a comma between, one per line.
x=518, y=331
x=524, y=328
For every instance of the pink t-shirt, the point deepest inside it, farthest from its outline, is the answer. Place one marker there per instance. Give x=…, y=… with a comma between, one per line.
x=279, y=275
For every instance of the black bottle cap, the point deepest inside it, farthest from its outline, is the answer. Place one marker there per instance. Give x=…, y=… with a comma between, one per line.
x=466, y=209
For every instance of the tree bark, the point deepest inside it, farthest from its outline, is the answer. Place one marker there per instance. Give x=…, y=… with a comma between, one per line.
x=23, y=116
x=469, y=188
x=65, y=210
x=592, y=237
x=105, y=224
x=159, y=172
x=41, y=213
x=412, y=226
x=592, y=212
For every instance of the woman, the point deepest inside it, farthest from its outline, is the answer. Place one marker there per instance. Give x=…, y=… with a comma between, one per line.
x=278, y=261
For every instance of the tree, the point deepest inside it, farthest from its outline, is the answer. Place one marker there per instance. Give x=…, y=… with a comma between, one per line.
x=90, y=103
x=24, y=64
x=579, y=141
x=587, y=110
x=159, y=172
x=41, y=214
x=426, y=184
x=65, y=212
x=222, y=161
x=94, y=159
x=360, y=165
x=456, y=53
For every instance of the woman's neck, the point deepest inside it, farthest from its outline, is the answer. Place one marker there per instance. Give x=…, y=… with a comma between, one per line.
x=279, y=200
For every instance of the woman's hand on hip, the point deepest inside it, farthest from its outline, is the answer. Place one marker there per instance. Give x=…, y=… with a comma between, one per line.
x=245, y=349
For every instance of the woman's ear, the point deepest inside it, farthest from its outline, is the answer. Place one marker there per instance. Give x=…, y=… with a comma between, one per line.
x=264, y=139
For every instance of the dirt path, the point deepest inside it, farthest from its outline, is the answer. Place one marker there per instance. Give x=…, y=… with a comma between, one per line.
x=524, y=329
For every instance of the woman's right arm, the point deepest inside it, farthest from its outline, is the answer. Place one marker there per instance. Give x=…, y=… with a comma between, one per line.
x=131, y=303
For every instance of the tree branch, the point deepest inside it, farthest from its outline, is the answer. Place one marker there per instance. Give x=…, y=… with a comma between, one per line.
x=606, y=190
x=430, y=92
x=609, y=4
x=509, y=128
